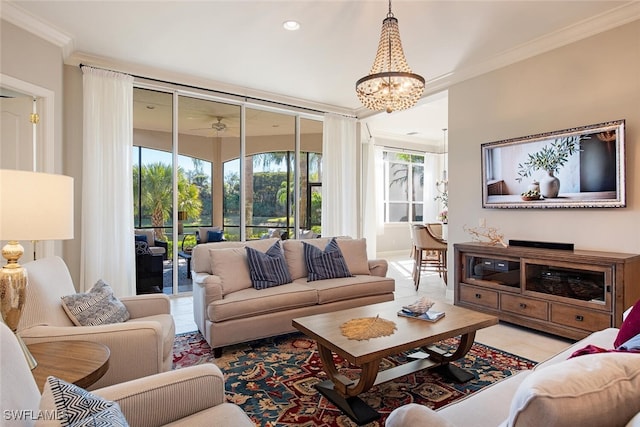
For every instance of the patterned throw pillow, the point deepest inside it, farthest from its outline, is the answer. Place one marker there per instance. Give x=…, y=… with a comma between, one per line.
x=97, y=307
x=142, y=248
x=75, y=407
x=327, y=264
x=268, y=269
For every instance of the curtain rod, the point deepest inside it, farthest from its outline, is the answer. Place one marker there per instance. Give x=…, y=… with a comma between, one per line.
x=408, y=150
x=246, y=98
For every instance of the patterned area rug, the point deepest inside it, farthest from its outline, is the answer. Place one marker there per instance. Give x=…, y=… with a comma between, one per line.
x=272, y=379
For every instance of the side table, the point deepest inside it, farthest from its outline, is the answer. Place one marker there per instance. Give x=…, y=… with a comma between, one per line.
x=187, y=256
x=79, y=362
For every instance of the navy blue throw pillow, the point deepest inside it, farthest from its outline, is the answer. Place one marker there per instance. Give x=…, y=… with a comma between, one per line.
x=214, y=236
x=327, y=264
x=268, y=269
x=141, y=238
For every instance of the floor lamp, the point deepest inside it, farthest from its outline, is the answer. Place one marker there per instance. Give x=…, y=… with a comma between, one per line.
x=33, y=206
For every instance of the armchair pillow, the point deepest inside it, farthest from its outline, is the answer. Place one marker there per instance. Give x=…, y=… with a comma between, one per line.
x=327, y=264
x=214, y=236
x=76, y=407
x=140, y=238
x=142, y=248
x=630, y=326
x=203, y=233
x=97, y=307
x=268, y=269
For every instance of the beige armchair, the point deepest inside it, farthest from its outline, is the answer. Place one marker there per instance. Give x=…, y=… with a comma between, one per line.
x=141, y=346
x=191, y=396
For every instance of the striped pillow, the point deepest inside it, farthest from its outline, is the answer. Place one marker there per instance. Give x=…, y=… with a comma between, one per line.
x=268, y=269
x=327, y=264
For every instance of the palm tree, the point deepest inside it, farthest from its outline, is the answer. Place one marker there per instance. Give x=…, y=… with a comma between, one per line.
x=156, y=196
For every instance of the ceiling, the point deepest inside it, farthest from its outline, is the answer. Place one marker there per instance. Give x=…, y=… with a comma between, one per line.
x=241, y=47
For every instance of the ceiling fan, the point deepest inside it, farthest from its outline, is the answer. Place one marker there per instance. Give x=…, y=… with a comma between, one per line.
x=219, y=126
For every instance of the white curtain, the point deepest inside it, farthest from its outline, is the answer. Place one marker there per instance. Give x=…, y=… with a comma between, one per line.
x=339, y=180
x=373, y=191
x=107, y=188
x=432, y=172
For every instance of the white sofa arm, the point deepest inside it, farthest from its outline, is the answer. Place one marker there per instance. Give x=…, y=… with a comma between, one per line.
x=414, y=415
x=167, y=397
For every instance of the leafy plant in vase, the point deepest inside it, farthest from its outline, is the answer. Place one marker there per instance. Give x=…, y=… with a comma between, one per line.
x=550, y=158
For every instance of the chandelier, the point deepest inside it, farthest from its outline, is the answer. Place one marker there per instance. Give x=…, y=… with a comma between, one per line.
x=390, y=85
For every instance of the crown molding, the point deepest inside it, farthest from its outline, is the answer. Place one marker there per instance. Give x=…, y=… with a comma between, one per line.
x=20, y=18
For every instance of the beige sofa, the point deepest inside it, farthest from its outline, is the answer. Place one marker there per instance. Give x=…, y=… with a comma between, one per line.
x=590, y=390
x=228, y=310
x=192, y=396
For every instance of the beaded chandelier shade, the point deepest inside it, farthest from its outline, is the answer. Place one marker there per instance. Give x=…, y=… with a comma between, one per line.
x=390, y=85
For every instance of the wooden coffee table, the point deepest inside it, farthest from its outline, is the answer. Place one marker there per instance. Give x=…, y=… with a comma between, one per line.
x=410, y=334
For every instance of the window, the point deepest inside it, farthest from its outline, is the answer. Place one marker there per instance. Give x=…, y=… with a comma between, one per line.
x=403, y=187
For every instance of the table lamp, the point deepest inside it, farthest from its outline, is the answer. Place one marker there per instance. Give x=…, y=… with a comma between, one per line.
x=33, y=206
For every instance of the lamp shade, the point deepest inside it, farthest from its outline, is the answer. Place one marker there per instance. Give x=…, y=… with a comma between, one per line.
x=35, y=206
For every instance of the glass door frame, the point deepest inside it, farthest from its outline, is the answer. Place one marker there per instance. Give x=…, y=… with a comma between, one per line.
x=177, y=91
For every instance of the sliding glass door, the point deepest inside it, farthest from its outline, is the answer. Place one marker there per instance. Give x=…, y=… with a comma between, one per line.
x=202, y=162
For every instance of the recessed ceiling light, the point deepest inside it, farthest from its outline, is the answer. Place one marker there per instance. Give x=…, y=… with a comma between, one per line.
x=291, y=25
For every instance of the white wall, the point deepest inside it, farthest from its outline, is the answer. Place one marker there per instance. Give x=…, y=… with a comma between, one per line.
x=591, y=81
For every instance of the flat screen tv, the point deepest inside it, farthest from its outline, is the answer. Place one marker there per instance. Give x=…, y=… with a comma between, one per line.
x=582, y=167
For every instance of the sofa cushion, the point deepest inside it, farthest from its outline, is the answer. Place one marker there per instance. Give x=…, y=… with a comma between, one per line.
x=325, y=264
x=353, y=250
x=355, y=254
x=75, y=407
x=267, y=269
x=232, y=268
x=253, y=302
x=630, y=326
x=294, y=255
x=592, y=390
x=98, y=306
x=347, y=288
x=228, y=260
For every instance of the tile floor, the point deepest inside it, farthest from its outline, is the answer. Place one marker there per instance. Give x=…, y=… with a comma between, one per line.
x=524, y=342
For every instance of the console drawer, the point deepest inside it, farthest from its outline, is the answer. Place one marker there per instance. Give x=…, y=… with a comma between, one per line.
x=479, y=296
x=524, y=306
x=581, y=318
